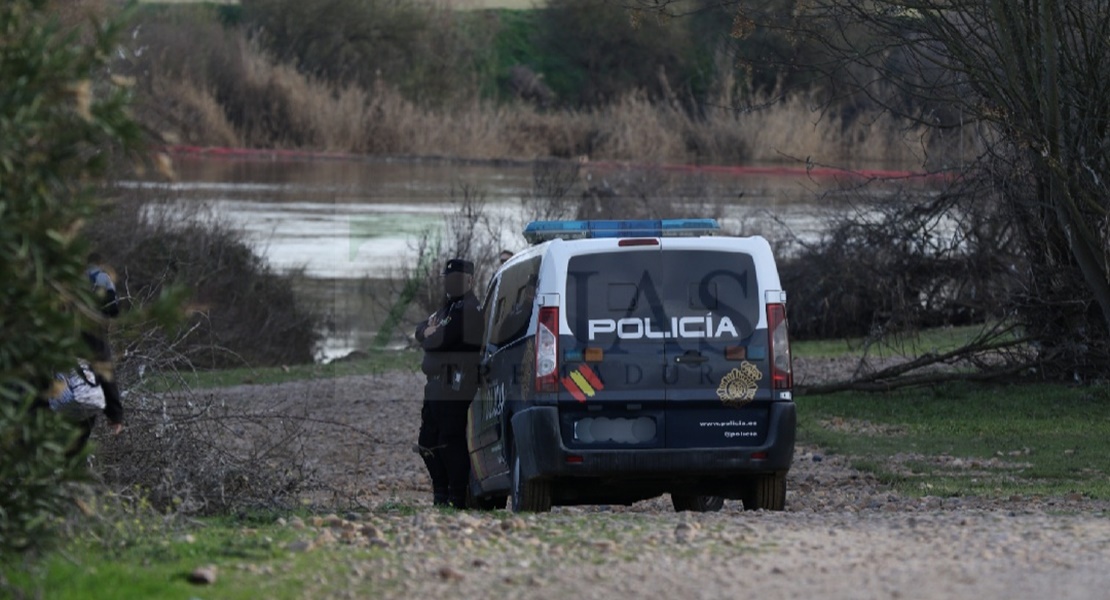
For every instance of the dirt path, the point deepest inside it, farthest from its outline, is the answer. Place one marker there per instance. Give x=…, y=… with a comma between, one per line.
x=843, y=534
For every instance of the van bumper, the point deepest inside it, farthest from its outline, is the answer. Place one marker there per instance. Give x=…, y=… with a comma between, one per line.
x=543, y=454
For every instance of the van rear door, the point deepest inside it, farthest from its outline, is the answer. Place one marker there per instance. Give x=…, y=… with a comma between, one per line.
x=716, y=359
x=612, y=390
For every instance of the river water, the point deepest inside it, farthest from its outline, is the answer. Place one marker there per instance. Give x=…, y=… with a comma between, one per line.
x=351, y=223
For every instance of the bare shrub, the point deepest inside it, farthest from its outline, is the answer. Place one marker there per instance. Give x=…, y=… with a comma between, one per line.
x=554, y=185
x=192, y=453
x=189, y=451
x=892, y=265
x=470, y=231
x=241, y=311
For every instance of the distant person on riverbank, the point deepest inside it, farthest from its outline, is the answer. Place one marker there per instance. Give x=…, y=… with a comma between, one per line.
x=451, y=338
x=96, y=337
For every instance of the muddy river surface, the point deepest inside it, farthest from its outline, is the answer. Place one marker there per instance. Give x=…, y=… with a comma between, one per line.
x=349, y=223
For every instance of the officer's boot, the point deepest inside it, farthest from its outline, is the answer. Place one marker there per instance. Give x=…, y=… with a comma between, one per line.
x=440, y=497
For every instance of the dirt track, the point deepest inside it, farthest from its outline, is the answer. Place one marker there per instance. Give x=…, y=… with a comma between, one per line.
x=843, y=535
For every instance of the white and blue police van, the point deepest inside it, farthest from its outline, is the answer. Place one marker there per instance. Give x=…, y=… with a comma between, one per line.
x=624, y=360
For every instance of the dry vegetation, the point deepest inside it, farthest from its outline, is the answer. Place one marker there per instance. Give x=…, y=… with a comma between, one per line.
x=304, y=112
x=382, y=121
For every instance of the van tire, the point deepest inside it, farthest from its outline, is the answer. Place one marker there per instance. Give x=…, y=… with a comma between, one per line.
x=684, y=502
x=766, y=492
x=529, y=496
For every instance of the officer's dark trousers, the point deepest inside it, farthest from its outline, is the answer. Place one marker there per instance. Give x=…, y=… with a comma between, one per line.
x=102, y=353
x=443, y=442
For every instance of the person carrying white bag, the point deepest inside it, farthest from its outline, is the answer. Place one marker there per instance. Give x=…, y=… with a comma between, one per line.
x=77, y=395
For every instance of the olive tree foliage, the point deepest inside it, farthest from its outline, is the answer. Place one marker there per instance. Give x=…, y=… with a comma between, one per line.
x=59, y=123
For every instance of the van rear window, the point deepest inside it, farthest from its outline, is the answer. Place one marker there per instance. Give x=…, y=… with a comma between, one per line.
x=672, y=294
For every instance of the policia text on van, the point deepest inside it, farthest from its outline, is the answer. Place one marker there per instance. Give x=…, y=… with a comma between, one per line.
x=627, y=359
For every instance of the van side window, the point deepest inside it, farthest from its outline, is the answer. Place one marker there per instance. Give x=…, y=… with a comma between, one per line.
x=488, y=311
x=515, y=299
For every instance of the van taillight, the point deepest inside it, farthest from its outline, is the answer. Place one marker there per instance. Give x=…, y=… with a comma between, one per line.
x=547, y=349
x=782, y=377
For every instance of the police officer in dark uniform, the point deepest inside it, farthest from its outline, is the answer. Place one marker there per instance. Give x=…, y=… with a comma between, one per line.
x=451, y=338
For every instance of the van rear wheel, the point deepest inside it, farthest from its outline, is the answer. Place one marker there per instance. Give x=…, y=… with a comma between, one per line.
x=529, y=496
x=766, y=492
x=686, y=502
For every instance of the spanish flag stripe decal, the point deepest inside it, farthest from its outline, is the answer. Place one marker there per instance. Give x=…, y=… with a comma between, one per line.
x=573, y=389
x=592, y=377
x=582, y=383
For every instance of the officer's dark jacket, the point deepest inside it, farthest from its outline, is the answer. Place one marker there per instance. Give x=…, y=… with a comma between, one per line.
x=455, y=344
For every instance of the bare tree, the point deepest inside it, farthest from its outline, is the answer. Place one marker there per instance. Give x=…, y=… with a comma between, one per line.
x=1016, y=105
x=1028, y=75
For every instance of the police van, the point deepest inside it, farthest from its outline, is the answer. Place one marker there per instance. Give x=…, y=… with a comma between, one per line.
x=624, y=360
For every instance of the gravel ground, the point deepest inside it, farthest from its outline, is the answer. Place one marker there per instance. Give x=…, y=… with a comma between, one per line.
x=843, y=534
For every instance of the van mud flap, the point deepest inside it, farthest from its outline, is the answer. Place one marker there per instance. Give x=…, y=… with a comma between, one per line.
x=536, y=440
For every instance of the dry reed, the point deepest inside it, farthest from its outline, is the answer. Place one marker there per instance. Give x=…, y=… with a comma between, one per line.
x=294, y=110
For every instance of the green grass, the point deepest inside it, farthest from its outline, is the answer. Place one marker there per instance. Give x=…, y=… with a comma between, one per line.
x=254, y=559
x=954, y=440
x=252, y=562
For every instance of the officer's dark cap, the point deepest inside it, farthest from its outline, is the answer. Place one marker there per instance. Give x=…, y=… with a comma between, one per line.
x=458, y=265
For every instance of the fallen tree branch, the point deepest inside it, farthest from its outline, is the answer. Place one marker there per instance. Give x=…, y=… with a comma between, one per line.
x=881, y=384
x=906, y=374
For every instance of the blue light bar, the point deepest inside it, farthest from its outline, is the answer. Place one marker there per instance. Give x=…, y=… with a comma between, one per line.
x=541, y=231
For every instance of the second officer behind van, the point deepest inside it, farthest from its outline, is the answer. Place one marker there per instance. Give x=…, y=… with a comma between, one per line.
x=451, y=339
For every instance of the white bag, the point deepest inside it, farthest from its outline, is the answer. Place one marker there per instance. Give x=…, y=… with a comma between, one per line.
x=81, y=396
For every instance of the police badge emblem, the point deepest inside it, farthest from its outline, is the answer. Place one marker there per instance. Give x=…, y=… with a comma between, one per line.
x=738, y=386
